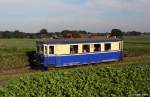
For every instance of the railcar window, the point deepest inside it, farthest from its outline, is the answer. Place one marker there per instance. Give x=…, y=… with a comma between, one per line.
x=73, y=49
x=86, y=48
x=97, y=47
x=107, y=46
x=51, y=49
x=45, y=49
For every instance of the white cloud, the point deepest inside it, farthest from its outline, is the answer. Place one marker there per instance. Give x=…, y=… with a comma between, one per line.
x=120, y=5
x=92, y=15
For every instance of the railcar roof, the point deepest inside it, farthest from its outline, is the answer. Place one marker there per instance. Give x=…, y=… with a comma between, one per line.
x=77, y=40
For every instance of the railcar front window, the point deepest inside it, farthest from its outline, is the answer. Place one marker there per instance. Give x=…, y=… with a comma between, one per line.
x=51, y=49
x=97, y=47
x=107, y=46
x=40, y=49
x=73, y=49
x=86, y=48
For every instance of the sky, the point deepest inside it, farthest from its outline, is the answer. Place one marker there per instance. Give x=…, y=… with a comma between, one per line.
x=90, y=15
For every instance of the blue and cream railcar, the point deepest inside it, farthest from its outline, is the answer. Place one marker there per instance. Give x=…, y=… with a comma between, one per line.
x=66, y=52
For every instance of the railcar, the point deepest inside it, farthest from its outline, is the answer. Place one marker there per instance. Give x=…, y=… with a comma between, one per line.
x=78, y=51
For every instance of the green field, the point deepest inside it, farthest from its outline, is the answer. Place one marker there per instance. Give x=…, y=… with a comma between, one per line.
x=13, y=52
x=137, y=46
x=127, y=78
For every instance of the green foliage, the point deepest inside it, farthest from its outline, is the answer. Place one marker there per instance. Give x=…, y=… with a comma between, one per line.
x=43, y=31
x=133, y=33
x=84, y=82
x=117, y=32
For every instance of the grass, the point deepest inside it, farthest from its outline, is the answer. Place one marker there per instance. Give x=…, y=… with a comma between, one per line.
x=13, y=52
x=17, y=45
x=137, y=46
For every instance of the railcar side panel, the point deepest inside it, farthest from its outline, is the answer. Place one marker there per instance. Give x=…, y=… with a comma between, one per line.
x=77, y=59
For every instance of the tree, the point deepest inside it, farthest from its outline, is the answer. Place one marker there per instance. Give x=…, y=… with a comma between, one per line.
x=43, y=31
x=134, y=33
x=107, y=34
x=71, y=34
x=117, y=33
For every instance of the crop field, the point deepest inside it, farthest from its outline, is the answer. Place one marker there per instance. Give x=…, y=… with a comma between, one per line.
x=127, y=78
x=86, y=82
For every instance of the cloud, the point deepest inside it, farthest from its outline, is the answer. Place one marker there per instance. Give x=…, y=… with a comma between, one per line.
x=122, y=5
x=91, y=15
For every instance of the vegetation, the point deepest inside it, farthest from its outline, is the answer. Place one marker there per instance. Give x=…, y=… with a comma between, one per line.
x=13, y=52
x=137, y=46
x=117, y=33
x=133, y=33
x=43, y=33
x=85, y=82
